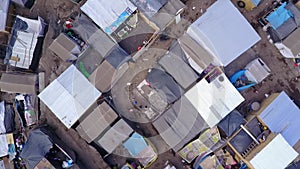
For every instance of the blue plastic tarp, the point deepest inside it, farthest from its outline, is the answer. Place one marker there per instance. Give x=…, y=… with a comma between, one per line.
x=135, y=144
x=279, y=16
x=256, y=2
x=239, y=75
x=283, y=116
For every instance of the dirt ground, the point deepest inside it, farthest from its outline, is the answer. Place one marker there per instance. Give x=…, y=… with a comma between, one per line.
x=284, y=76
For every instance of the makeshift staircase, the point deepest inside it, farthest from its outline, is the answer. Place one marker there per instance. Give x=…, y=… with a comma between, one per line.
x=249, y=149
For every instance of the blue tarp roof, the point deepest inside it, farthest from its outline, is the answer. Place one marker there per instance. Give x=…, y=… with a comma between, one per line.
x=135, y=144
x=279, y=16
x=283, y=116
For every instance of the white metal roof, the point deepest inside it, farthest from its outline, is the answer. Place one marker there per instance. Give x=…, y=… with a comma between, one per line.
x=276, y=155
x=214, y=100
x=69, y=96
x=223, y=31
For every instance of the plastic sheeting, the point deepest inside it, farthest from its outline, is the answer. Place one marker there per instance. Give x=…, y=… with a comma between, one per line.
x=164, y=84
x=231, y=122
x=197, y=56
x=167, y=13
x=135, y=144
x=117, y=56
x=180, y=124
x=3, y=13
x=91, y=34
x=113, y=13
x=295, y=165
x=283, y=116
x=9, y=119
x=84, y=27
x=149, y=7
x=282, y=31
x=279, y=16
x=224, y=32
x=286, y=28
x=36, y=147
x=176, y=64
x=2, y=117
x=241, y=141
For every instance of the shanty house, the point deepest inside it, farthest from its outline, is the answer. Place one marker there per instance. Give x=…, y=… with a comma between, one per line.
x=23, y=45
x=277, y=154
x=113, y=13
x=214, y=97
x=161, y=12
x=290, y=47
x=18, y=83
x=69, y=96
x=179, y=124
x=224, y=32
x=197, y=57
x=282, y=115
x=175, y=63
x=65, y=48
x=115, y=136
x=268, y=139
x=96, y=122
